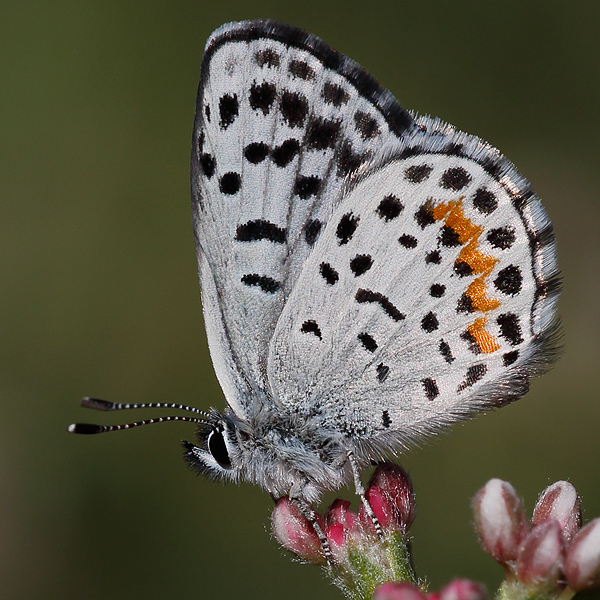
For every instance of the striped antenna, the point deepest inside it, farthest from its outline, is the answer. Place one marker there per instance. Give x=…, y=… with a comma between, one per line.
x=105, y=405
x=89, y=428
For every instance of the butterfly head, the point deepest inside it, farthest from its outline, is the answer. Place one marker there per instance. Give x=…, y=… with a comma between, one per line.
x=217, y=455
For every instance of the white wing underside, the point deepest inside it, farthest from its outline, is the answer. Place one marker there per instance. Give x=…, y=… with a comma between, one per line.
x=380, y=274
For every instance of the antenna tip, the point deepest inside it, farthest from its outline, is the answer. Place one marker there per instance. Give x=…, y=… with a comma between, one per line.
x=96, y=404
x=86, y=428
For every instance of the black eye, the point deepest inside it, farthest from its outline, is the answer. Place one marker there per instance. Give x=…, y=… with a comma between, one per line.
x=216, y=446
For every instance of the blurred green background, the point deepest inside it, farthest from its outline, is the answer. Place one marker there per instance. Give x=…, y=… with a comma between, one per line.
x=100, y=294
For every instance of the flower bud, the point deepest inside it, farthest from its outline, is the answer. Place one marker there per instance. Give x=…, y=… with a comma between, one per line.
x=582, y=563
x=463, y=589
x=398, y=591
x=500, y=520
x=560, y=501
x=295, y=532
x=383, y=509
x=339, y=513
x=394, y=482
x=540, y=556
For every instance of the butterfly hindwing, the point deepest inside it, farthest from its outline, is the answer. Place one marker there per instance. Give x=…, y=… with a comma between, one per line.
x=281, y=121
x=429, y=295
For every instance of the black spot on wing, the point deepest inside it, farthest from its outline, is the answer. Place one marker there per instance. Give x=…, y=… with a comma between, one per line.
x=311, y=327
x=347, y=160
x=437, y=290
x=283, y=155
x=365, y=125
x=424, y=216
x=367, y=341
x=390, y=207
x=267, y=58
x=367, y=296
x=260, y=230
x=230, y=183
x=510, y=328
x=294, y=108
x=501, y=237
x=262, y=96
x=468, y=337
x=462, y=269
x=382, y=372
x=455, y=179
x=418, y=173
x=346, y=228
x=360, y=264
x=301, y=70
x=329, y=274
x=207, y=112
x=307, y=186
x=429, y=322
x=334, y=94
x=208, y=164
x=431, y=388
x=322, y=133
x=465, y=304
x=266, y=284
x=434, y=257
x=256, y=152
x=386, y=421
x=485, y=201
x=509, y=280
x=228, y=110
x=312, y=230
x=474, y=374
x=446, y=352
x=408, y=241
x=510, y=357
x=449, y=237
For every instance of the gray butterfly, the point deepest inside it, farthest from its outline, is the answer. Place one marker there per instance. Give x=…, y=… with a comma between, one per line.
x=368, y=276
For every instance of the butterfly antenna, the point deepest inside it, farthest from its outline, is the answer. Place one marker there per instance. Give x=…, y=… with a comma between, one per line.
x=90, y=428
x=105, y=405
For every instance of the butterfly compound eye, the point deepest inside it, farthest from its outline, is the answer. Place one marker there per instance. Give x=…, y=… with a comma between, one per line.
x=217, y=447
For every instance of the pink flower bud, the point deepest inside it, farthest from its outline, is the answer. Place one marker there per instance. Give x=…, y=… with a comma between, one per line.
x=398, y=591
x=559, y=501
x=500, y=520
x=582, y=563
x=393, y=480
x=463, y=589
x=540, y=557
x=295, y=532
x=337, y=537
x=383, y=509
x=339, y=513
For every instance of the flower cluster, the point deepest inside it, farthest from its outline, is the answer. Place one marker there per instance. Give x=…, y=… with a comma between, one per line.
x=359, y=561
x=549, y=555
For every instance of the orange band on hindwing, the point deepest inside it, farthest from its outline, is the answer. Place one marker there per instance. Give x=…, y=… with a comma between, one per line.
x=477, y=262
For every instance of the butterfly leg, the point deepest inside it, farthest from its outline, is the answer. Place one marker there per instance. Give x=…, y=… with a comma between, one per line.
x=360, y=492
x=311, y=515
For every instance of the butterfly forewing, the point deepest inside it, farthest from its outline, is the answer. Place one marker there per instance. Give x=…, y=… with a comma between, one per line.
x=281, y=121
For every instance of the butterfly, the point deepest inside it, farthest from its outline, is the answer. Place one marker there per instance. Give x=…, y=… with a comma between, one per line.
x=369, y=276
